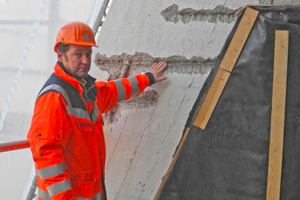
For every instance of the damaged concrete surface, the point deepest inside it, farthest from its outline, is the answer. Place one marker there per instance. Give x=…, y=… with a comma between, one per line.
x=125, y=65
x=186, y=15
x=266, y=2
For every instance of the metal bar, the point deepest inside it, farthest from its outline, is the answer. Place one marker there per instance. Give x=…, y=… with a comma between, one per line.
x=32, y=190
x=9, y=146
x=97, y=14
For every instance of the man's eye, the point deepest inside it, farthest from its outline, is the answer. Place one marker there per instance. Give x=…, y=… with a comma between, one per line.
x=78, y=55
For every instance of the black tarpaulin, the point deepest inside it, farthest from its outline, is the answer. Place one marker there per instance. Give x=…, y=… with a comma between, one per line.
x=228, y=160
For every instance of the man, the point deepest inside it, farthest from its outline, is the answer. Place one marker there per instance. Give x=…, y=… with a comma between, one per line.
x=66, y=136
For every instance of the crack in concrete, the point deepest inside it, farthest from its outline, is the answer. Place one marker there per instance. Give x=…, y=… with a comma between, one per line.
x=117, y=143
x=266, y=2
x=186, y=15
x=128, y=167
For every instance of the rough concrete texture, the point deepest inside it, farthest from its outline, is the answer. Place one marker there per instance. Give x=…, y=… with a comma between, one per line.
x=218, y=14
x=266, y=2
x=125, y=65
x=143, y=133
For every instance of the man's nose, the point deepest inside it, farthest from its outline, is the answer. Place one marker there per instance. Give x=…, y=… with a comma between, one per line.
x=85, y=59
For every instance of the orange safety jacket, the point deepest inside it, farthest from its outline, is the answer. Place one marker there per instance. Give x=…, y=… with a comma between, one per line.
x=66, y=135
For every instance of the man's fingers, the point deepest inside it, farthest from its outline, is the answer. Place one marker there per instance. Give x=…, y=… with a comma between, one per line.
x=160, y=79
x=156, y=69
x=158, y=66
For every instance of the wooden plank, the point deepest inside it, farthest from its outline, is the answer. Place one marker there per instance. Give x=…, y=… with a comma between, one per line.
x=211, y=98
x=227, y=64
x=239, y=39
x=172, y=163
x=278, y=114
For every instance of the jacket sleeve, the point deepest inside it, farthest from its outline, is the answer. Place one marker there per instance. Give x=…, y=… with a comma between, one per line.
x=48, y=135
x=112, y=92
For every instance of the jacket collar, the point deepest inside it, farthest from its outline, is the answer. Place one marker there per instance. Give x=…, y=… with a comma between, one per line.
x=62, y=72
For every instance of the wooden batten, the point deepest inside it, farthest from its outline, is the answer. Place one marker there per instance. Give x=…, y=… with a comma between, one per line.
x=278, y=114
x=230, y=58
x=211, y=98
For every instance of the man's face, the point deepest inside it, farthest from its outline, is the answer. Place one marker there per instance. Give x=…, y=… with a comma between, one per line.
x=77, y=60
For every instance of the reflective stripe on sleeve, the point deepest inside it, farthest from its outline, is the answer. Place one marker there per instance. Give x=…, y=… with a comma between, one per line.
x=59, y=187
x=96, y=197
x=134, y=85
x=121, y=90
x=52, y=171
x=43, y=194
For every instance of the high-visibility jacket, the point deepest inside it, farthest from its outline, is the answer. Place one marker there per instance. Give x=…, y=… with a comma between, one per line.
x=66, y=135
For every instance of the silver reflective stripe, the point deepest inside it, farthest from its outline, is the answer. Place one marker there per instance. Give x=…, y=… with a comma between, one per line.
x=134, y=85
x=59, y=187
x=80, y=113
x=62, y=92
x=43, y=194
x=98, y=196
x=77, y=112
x=58, y=89
x=94, y=113
x=52, y=171
x=69, y=110
x=121, y=90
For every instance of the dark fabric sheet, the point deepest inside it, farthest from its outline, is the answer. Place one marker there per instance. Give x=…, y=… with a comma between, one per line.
x=229, y=159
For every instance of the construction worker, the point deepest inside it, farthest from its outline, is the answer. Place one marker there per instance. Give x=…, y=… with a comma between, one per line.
x=66, y=135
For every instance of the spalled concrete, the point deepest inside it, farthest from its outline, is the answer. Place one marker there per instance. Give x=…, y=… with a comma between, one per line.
x=186, y=15
x=266, y=2
x=124, y=65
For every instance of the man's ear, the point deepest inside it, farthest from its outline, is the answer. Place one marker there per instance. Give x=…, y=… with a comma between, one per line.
x=60, y=56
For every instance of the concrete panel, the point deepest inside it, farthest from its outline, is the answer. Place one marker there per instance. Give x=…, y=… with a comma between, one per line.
x=142, y=135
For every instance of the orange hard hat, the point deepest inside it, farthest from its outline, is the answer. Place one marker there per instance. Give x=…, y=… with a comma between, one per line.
x=75, y=33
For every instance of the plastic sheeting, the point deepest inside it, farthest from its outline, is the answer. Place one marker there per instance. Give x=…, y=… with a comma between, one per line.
x=229, y=159
x=28, y=30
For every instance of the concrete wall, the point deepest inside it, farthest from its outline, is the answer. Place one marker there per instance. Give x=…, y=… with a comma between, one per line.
x=143, y=133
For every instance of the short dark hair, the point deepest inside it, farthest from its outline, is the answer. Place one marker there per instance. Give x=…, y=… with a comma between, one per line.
x=63, y=48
